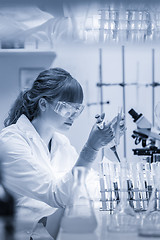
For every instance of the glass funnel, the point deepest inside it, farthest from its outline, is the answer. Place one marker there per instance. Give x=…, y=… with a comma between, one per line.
x=79, y=214
x=123, y=218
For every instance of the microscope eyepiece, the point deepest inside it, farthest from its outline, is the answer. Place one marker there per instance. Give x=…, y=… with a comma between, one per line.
x=134, y=114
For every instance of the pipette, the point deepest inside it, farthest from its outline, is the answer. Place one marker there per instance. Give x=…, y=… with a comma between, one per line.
x=100, y=124
x=117, y=133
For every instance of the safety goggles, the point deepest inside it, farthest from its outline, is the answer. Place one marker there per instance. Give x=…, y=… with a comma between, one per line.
x=67, y=109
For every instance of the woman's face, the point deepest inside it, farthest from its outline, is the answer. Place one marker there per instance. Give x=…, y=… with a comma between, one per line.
x=61, y=115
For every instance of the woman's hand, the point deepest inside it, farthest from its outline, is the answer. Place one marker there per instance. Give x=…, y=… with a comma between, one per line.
x=99, y=138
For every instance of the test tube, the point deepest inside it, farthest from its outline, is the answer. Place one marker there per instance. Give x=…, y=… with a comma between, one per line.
x=129, y=185
x=102, y=188
x=153, y=167
x=156, y=179
x=108, y=186
x=142, y=186
x=130, y=192
x=156, y=157
x=158, y=184
x=145, y=182
x=136, y=201
x=149, y=179
x=114, y=184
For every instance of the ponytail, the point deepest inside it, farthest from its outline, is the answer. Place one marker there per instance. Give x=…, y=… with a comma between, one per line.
x=15, y=112
x=22, y=105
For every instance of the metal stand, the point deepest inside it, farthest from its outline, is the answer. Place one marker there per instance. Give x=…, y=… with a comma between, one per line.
x=124, y=96
x=153, y=86
x=123, y=84
x=101, y=90
x=101, y=171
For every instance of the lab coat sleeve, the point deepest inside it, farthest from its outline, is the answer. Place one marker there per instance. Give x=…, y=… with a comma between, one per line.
x=23, y=175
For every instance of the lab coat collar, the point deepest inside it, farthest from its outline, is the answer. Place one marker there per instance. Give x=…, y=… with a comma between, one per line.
x=24, y=124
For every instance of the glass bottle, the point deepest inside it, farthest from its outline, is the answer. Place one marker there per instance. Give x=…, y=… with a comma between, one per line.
x=123, y=218
x=79, y=214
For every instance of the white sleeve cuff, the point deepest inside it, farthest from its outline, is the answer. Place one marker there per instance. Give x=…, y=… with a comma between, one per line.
x=63, y=190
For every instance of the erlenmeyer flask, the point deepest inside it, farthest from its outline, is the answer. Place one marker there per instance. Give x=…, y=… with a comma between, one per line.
x=79, y=215
x=123, y=218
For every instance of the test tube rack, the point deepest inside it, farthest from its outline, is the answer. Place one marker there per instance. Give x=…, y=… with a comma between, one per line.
x=140, y=184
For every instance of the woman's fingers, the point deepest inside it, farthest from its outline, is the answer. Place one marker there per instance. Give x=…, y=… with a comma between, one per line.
x=103, y=115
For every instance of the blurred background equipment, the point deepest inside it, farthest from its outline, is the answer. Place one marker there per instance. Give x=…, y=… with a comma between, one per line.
x=88, y=21
x=146, y=136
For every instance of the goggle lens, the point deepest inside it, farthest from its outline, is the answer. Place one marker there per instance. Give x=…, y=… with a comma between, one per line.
x=68, y=109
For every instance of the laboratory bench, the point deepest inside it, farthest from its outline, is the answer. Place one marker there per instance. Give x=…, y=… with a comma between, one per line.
x=102, y=233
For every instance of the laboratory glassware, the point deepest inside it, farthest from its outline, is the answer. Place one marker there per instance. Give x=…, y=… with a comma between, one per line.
x=102, y=187
x=111, y=176
x=79, y=216
x=150, y=223
x=123, y=218
x=100, y=124
x=116, y=140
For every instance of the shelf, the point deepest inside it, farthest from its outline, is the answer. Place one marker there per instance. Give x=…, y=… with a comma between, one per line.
x=27, y=51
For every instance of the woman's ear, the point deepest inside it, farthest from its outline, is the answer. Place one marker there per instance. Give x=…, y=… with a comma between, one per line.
x=42, y=104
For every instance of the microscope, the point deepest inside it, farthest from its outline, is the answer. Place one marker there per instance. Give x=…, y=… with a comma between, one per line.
x=144, y=134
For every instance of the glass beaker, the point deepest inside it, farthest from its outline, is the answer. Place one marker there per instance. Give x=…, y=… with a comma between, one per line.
x=123, y=218
x=79, y=214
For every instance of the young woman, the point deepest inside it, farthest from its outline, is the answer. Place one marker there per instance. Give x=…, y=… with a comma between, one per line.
x=33, y=150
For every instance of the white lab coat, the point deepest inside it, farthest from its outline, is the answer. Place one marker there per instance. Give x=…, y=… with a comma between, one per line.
x=31, y=172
